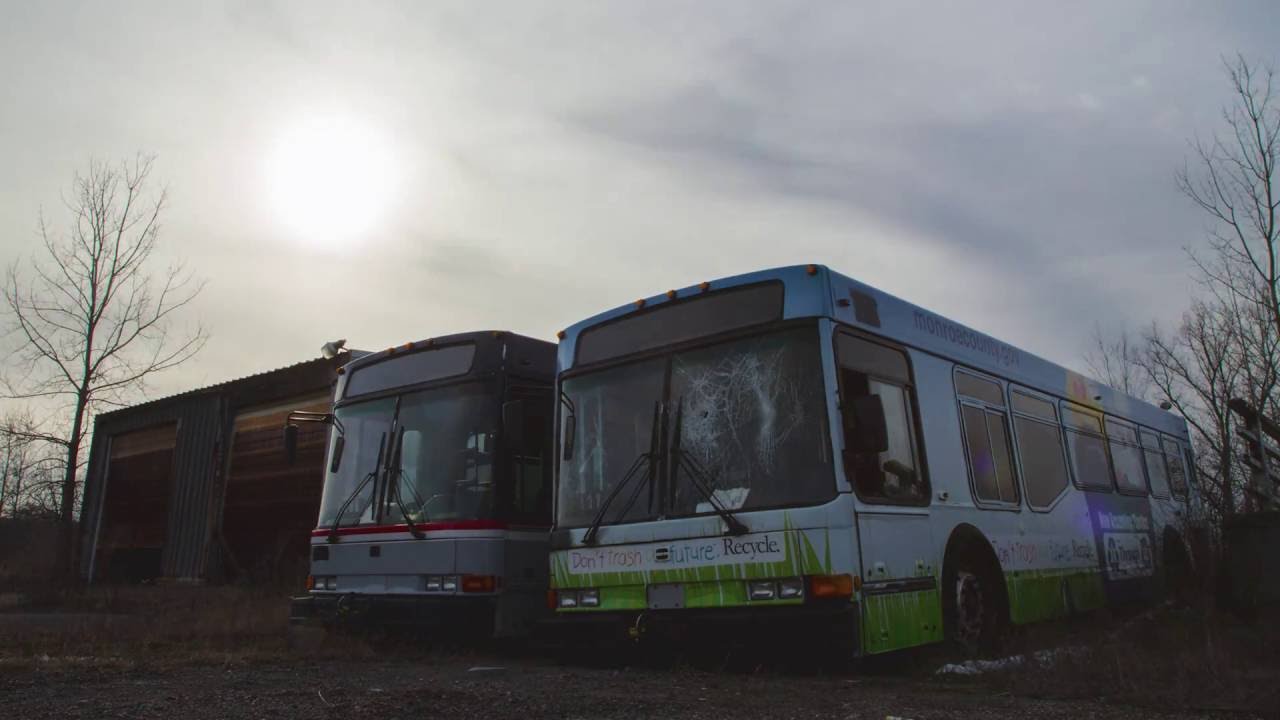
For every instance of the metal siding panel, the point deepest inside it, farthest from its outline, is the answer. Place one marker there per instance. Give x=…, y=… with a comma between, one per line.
x=199, y=438
x=205, y=422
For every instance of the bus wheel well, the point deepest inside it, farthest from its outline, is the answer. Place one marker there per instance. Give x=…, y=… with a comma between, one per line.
x=969, y=557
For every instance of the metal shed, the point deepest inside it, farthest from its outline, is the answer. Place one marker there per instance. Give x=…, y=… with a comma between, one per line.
x=195, y=487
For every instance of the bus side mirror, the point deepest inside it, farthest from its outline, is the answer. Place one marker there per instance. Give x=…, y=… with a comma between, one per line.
x=570, y=430
x=338, y=444
x=513, y=425
x=865, y=430
x=291, y=443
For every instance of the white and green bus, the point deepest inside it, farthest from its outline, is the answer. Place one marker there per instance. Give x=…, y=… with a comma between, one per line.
x=791, y=451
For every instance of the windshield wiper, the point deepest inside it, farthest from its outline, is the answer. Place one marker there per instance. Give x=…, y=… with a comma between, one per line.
x=396, y=474
x=699, y=477
x=373, y=474
x=644, y=460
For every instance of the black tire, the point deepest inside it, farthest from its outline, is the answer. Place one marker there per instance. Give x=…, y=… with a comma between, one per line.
x=973, y=607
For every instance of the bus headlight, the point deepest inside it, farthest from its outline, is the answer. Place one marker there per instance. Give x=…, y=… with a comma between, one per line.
x=589, y=597
x=789, y=588
x=761, y=590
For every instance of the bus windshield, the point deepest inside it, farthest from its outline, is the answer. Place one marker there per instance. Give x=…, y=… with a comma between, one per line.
x=444, y=467
x=439, y=446
x=751, y=419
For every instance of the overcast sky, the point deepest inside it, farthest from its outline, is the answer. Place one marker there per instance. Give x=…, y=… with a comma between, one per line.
x=523, y=166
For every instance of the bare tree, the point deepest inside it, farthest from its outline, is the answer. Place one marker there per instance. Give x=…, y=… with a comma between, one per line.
x=92, y=320
x=1117, y=362
x=30, y=468
x=1233, y=180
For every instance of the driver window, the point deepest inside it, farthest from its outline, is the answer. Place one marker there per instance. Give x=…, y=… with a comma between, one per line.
x=892, y=475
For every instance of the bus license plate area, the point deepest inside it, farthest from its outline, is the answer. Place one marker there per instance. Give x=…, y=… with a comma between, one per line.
x=666, y=596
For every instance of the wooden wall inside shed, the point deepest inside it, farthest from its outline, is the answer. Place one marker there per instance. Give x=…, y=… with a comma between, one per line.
x=270, y=505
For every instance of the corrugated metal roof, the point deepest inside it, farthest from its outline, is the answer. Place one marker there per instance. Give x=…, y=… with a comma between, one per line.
x=342, y=359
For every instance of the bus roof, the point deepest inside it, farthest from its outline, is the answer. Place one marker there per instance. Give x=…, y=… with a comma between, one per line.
x=530, y=353
x=817, y=291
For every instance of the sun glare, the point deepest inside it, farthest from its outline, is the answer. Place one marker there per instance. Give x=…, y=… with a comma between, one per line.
x=330, y=180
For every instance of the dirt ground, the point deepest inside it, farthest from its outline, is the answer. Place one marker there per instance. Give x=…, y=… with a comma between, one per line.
x=224, y=653
x=495, y=688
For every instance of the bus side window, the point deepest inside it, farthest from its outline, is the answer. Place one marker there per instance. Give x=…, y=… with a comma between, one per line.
x=1157, y=473
x=986, y=435
x=1177, y=472
x=892, y=475
x=1040, y=449
x=1087, y=448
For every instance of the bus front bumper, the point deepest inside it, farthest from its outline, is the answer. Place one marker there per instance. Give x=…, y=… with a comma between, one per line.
x=833, y=624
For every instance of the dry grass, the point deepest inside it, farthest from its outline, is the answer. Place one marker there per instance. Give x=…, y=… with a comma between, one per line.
x=1173, y=657
x=150, y=626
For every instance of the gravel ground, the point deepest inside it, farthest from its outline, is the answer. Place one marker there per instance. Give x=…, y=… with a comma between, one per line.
x=527, y=688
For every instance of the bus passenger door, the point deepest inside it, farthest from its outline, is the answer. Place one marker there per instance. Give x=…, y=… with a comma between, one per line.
x=900, y=603
x=526, y=501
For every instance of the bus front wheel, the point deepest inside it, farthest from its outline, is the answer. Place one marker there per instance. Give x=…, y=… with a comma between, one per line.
x=973, y=608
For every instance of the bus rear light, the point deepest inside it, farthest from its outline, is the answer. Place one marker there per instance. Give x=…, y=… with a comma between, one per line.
x=551, y=600
x=830, y=586
x=567, y=599
x=762, y=590
x=479, y=583
x=589, y=597
x=311, y=582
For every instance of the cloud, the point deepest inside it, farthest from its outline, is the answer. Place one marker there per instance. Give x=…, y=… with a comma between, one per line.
x=1008, y=165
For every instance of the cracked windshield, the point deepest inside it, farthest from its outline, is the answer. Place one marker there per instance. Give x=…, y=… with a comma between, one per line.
x=751, y=419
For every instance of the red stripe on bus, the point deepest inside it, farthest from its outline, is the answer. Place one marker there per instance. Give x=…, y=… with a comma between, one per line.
x=425, y=527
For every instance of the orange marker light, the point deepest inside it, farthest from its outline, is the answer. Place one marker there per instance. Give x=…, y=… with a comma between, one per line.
x=704, y=286
x=342, y=371
x=640, y=303
x=408, y=346
x=811, y=269
x=560, y=335
x=391, y=351
x=671, y=294
x=830, y=586
x=478, y=583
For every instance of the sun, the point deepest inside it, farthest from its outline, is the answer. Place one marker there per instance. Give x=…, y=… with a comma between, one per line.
x=330, y=179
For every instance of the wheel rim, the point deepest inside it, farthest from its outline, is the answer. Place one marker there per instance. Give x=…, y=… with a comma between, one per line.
x=970, y=609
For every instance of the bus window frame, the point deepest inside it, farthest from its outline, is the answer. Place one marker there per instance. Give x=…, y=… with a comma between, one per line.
x=1010, y=438
x=1100, y=434
x=1181, y=454
x=917, y=427
x=1107, y=422
x=706, y=341
x=1062, y=444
